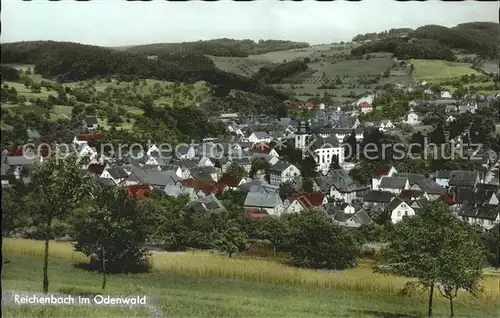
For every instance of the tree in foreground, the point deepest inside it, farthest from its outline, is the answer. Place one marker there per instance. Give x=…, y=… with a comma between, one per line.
x=58, y=186
x=274, y=229
x=112, y=230
x=228, y=238
x=438, y=250
x=315, y=241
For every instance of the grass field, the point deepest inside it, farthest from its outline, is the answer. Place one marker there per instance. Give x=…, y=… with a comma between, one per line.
x=438, y=70
x=204, y=285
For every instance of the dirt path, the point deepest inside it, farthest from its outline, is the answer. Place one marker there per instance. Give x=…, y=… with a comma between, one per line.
x=9, y=298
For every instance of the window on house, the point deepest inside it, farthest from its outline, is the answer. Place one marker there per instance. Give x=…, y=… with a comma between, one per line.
x=399, y=214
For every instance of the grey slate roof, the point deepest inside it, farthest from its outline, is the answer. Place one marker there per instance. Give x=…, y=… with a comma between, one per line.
x=328, y=142
x=175, y=190
x=339, y=179
x=464, y=195
x=392, y=183
x=360, y=217
x=412, y=177
x=279, y=167
x=430, y=186
x=486, y=211
x=209, y=203
x=258, y=185
x=118, y=172
x=90, y=121
x=460, y=178
x=261, y=134
x=378, y=196
x=443, y=174
x=260, y=199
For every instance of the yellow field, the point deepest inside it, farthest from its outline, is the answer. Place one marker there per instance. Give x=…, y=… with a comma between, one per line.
x=203, y=264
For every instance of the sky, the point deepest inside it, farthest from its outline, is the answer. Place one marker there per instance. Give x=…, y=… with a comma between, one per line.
x=120, y=23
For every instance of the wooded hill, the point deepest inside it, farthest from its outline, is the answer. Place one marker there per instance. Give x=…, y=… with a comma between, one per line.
x=216, y=47
x=67, y=61
x=437, y=42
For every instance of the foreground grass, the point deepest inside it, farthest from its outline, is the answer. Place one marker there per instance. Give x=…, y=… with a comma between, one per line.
x=70, y=311
x=438, y=70
x=201, y=284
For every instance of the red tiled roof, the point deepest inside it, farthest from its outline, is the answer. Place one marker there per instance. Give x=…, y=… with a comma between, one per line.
x=310, y=199
x=207, y=188
x=365, y=105
x=255, y=213
x=90, y=137
x=18, y=151
x=261, y=148
x=448, y=198
x=230, y=180
x=382, y=170
x=96, y=168
x=138, y=191
x=310, y=105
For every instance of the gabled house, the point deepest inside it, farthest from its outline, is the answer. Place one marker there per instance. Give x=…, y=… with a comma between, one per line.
x=209, y=204
x=412, y=195
x=399, y=210
x=413, y=178
x=338, y=185
x=270, y=203
x=385, y=170
x=378, y=198
x=264, y=149
x=306, y=201
x=487, y=194
x=205, y=162
x=460, y=178
x=282, y=172
x=450, y=119
x=353, y=219
x=232, y=181
x=394, y=184
x=91, y=123
x=117, y=174
x=365, y=107
x=244, y=162
x=431, y=188
x=177, y=189
x=487, y=215
x=260, y=137
x=412, y=118
x=97, y=169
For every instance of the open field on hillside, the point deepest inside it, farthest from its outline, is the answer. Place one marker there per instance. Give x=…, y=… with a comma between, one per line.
x=491, y=67
x=437, y=70
x=240, y=65
x=201, y=284
x=373, y=66
x=22, y=67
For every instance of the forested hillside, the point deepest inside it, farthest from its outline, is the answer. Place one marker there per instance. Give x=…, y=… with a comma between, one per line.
x=68, y=62
x=437, y=42
x=408, y=49
x=217, y=47
x=377, y=36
